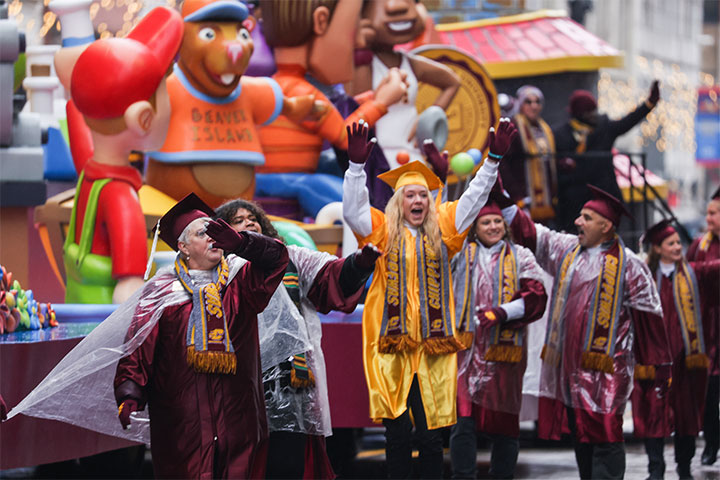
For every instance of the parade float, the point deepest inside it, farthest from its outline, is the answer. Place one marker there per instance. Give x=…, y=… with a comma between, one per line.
x=36, y=214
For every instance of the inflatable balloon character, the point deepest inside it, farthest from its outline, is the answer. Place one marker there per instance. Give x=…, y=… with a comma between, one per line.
x=384, y=24
x=118, y=85
x=313, y=38
x=212, y=147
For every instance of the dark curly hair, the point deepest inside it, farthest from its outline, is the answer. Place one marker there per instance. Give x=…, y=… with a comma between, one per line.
x=227, y=211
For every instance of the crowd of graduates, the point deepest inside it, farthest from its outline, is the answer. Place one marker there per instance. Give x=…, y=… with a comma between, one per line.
x=223, y=347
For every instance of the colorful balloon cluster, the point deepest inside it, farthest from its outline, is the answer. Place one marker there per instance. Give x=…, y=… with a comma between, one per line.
x=463, y=163
x=18, y=308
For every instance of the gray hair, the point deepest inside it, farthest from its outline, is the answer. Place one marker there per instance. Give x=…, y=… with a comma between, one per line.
x=186, y=232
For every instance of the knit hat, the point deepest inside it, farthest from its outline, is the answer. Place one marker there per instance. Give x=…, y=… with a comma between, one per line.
x=582, y=102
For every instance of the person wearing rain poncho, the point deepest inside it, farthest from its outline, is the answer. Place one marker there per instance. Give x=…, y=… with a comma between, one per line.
x=409, y=334
x=185, y=346
x=497, y=285
x=604, y=315
x=293, y=366
x=685, y=288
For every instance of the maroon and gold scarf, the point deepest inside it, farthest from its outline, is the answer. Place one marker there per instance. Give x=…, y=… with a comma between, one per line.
x=209, y=349
x=603, y=314
x=539, y=186
x=434, y=286
x=505, y=343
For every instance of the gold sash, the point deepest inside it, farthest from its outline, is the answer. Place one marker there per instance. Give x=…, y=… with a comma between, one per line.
x=540, y=188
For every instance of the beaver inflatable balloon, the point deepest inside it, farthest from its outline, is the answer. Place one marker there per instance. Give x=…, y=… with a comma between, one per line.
x=212, y=147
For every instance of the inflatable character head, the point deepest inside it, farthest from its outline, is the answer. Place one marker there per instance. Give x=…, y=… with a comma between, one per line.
x=216, y=45
x=326, y=27
x=394, y=21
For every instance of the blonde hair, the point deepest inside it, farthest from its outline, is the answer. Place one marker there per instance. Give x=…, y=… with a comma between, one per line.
x=394, y=220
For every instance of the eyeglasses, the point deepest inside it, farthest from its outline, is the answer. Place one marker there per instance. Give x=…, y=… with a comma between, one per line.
x=529, y=101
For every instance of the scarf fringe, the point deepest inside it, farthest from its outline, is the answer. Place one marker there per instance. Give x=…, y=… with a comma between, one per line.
x=598, y=361
x=298, y=382
x=211, y=362
x=504, y=353
x=442, y=345
x=644, y=372
x=542, y=212
x=396, y=343
x=550, y=355
x=697, y=360
x=466, y=339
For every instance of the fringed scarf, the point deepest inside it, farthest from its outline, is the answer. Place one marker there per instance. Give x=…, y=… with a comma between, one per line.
x=685, y=293
x=601, y=328
x=505, y=343
x=465, y=291
x=209, y=349
x=540, y=188
x=434, y=286
x=301, y=376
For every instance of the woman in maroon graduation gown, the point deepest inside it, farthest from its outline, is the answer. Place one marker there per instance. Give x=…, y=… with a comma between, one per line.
x=198, y=369
x=683, y=287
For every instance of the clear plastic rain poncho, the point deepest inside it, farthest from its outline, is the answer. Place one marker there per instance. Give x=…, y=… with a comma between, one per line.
x=285, y=332
x=492, y=385
x=569, y=382
x=79, y=390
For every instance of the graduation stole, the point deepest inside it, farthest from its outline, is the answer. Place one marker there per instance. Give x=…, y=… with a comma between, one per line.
x=541, y=201
x=580, y=133
x=209, y=349
x=464, y=303
x=705, y=241
x=605, y=307
x=685, y=294
x=505, y=343
x=435, y=314
x=300, y=373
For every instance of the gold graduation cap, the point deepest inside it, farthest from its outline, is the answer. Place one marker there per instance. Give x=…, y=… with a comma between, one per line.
x=413, y=173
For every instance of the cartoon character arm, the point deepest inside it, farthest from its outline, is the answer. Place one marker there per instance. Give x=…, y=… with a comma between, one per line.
x=438, y=75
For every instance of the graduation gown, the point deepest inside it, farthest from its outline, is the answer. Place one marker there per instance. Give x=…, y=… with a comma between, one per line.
x=707, y=247
x=207, y=425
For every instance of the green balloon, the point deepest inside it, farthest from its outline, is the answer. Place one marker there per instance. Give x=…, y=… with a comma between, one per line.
x=294, y=235
x=19, y=72
x=462, y=163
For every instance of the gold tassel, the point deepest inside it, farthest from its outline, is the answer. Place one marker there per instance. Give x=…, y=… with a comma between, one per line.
x=644, y=372
x=598, y=361
x=697, y=360
x=442, y=345
x=302, y=382
x=396, y=343
x=550, y=355
x=211, y=362
x=504, y=353
x=466, y=338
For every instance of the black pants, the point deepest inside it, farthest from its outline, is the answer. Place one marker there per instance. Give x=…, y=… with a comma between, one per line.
x=286, y=455
x=463, y=451
x=711, y=422
x=597, y=460
x=684, y=452
x=398, y=441
x=654, y=448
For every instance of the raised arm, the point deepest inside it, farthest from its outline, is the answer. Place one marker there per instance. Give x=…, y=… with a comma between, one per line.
x=623, y=125
x=356, y=199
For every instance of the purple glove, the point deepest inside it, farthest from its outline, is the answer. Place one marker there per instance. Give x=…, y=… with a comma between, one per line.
x=3, y=409
x=358, y=146
x=366, y=257
x=126, y=408
x=491, y=316
x=438, y=161
x=225, y=237
x=654, y=96
x=501, y=140
x=499, y=195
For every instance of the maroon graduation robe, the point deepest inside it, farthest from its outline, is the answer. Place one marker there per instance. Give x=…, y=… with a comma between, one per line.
x=711, y=309
x=208, y=425
x=682, y=410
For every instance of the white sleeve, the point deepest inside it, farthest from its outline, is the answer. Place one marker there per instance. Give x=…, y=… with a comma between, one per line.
x=356, y=200
x=514, y=309
x=474, y=198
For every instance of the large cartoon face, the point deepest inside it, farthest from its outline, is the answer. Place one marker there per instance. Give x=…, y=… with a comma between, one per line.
x=214, y=55
x=331, y=55
x=394, y=21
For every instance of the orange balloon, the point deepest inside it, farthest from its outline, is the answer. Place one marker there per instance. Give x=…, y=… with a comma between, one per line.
x=402, y=157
